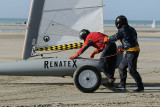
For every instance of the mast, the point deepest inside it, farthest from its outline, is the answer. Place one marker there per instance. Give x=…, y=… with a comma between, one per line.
x=32, y=27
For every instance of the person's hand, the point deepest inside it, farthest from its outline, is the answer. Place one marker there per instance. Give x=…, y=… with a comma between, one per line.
x=73, y=57
x=93, y=53
x=120, y=50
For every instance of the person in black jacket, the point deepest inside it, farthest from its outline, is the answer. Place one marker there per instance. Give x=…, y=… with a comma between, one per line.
x=128, y=37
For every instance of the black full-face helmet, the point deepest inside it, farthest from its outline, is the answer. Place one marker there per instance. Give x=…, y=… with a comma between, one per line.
x=120, y=21
x=83, y=34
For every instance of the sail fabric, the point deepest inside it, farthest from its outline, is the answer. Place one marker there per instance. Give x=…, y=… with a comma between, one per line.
x=63, y=19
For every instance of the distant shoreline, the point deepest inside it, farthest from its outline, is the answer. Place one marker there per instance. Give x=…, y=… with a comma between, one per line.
x=107, y=23
x=142, y=32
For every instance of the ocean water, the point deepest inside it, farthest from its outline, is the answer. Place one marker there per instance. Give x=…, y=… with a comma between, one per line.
x=13, y=21
x=107, y=23
x=134, y=23
x=149, y=39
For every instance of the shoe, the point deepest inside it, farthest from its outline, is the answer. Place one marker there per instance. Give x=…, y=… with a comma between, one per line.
x=139, y=90
x=110, y=81
x=121, y=86
x=108, y=85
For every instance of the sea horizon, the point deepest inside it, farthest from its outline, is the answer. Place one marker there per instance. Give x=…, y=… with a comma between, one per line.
x=135, y=23
x=107, y=23
x=13, y=21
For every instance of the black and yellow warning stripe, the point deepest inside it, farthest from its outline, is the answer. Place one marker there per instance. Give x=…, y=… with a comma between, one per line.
x=62, y=47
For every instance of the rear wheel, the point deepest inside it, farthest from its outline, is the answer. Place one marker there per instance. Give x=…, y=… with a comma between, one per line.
x=87, y=79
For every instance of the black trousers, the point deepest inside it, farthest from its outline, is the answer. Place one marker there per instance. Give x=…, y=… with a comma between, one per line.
x=108, y=64
x=130, y=62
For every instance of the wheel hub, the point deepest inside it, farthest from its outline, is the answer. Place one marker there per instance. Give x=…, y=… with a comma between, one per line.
x=87, y=79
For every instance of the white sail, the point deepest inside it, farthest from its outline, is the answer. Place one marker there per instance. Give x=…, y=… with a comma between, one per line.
x=58, y=22
x=154, y=24
x=63, y=19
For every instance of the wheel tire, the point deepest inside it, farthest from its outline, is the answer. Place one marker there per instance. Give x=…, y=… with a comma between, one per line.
x=87, y=79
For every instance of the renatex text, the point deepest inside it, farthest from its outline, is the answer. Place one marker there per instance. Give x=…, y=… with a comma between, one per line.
x=49, y=64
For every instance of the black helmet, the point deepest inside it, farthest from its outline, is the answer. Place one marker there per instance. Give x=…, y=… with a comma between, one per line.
x=83, y=34
x=120, y=21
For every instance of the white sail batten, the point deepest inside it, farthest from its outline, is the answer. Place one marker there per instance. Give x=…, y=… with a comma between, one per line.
x=63, y=19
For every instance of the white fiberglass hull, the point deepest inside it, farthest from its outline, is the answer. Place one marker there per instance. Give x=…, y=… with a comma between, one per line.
x=48, y=66
x=44, y=67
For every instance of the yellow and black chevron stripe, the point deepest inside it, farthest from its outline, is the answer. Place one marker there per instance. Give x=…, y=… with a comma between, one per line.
x=62, y=47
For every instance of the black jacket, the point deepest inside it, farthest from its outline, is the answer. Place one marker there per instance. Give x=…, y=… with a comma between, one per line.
x=127, y=35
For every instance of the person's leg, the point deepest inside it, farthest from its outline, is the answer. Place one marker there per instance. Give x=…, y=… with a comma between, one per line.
x=123, y=71
x=103, y=63
x=112, y=65
x=132, y=65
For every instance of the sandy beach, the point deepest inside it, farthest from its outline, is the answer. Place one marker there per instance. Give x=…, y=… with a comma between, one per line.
x=60, y=92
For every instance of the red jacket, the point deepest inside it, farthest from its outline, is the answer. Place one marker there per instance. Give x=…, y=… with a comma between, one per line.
x=94, y=39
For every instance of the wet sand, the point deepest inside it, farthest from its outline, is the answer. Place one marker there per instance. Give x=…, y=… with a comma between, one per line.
x=57, y=91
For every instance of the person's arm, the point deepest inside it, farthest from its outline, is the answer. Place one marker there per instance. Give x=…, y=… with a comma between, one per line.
x=87, y=43
x=95, y=52
x=85, y=46
x=115, y=37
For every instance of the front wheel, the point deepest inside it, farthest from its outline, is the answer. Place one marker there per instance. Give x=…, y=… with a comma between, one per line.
x=87, y=79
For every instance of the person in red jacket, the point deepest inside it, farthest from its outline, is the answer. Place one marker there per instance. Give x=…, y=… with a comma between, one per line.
x=98, y=40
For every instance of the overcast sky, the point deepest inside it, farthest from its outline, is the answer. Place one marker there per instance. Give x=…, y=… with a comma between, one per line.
x=132, y=9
